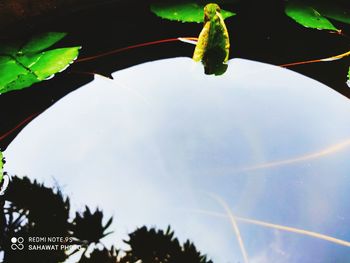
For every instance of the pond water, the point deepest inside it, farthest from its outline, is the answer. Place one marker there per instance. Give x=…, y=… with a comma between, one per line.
x=164, y=144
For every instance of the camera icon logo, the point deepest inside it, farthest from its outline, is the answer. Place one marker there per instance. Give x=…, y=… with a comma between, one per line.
x=17, y=243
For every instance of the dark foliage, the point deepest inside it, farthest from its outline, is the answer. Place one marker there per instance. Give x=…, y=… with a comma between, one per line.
x=34, y=210
x=31, y=209
x=101, y=256
x=44, y=209
x=157, y=246
x=89, y=227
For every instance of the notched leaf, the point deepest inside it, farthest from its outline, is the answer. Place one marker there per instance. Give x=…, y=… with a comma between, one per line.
x=22, y=67
x=52, y=61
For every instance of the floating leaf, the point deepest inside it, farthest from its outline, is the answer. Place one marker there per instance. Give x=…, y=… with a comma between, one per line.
x=10, y=70
x=308, y=16
x=332, y=10
x=184, y=12
x=22, y=67
x=47, y=63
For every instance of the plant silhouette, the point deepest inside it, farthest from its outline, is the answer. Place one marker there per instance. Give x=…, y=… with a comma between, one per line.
x=157, y=246
x=89, y=227
x=102, y=256
x=31, y=209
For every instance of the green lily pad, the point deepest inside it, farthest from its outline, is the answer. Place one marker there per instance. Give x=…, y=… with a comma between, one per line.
x=22, y=67
x=308, y=16
x=331, y=10
x=41, y=42
x=184, y=11
x=47, y=63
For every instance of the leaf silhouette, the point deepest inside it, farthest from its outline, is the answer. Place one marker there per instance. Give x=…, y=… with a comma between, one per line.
x=34, y=210
x=151, y=246
x=157, y=246
x=20, y=67
x=101, y=256
x=191, y=254
x=88, y=226
x=45, y=209
x=39, y=211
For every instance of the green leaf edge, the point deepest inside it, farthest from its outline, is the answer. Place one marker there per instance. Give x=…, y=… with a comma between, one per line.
x=36, y=46
x=41, y=42
x=159, y=8
x=1, y=167
x=293, y=10
x=331, y=10
x=71, y=52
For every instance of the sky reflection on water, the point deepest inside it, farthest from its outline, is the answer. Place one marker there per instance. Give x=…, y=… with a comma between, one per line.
x=149, y=146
